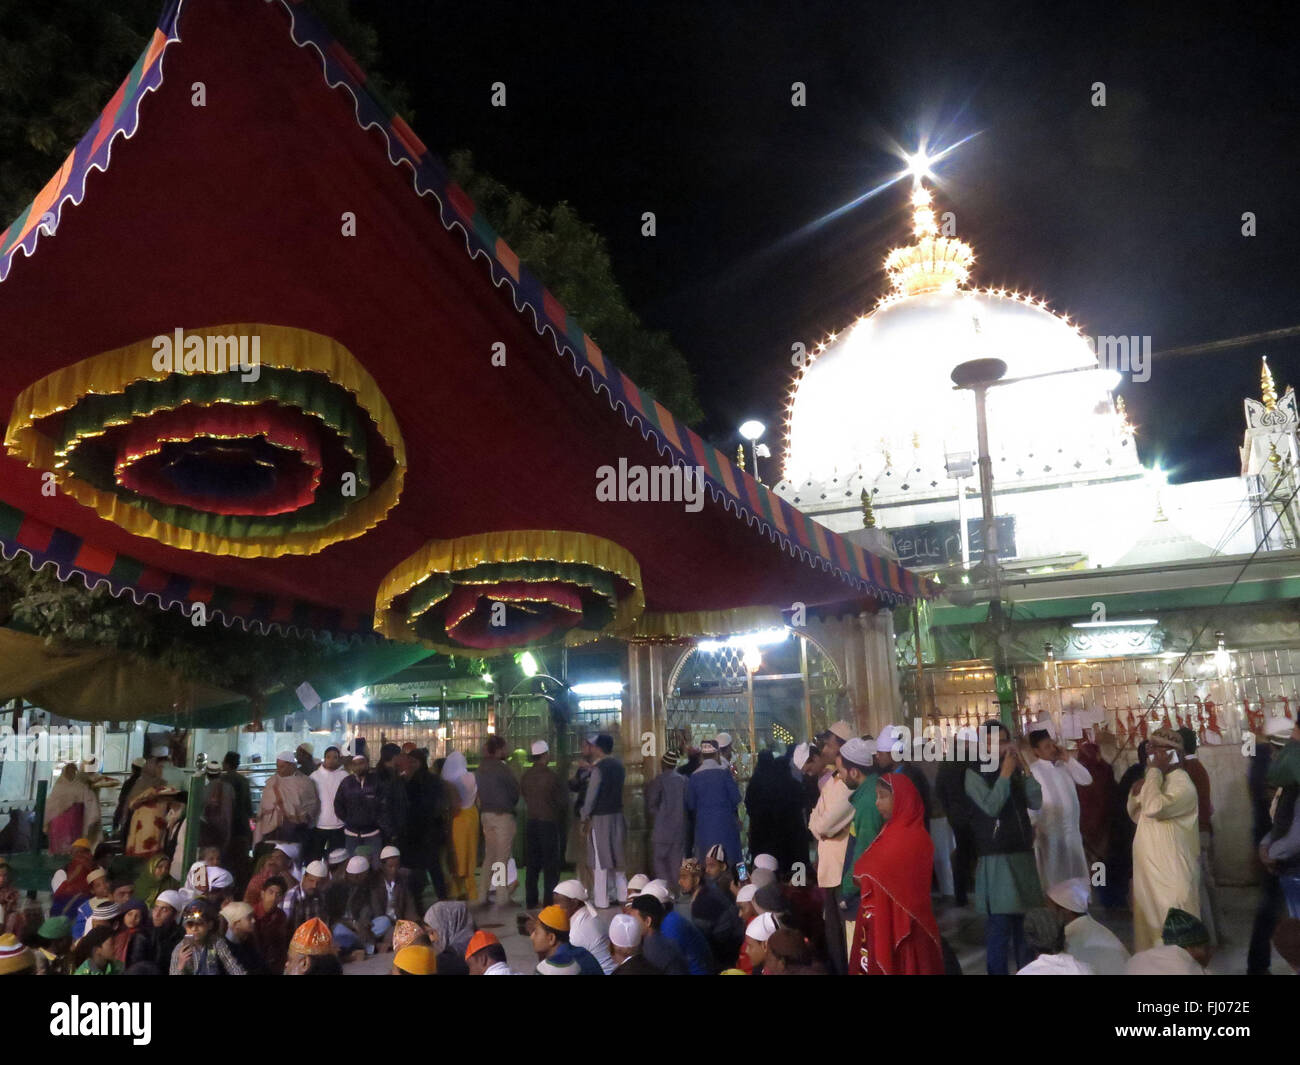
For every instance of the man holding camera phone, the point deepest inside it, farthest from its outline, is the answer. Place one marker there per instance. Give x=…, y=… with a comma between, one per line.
x=1167, y=845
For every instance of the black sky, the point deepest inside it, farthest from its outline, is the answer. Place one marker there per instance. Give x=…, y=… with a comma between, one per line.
x=1127, y=217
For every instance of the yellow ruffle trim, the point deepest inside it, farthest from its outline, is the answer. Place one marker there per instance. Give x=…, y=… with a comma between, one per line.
x=657, y=626
x=447, y=557
x=281, y=348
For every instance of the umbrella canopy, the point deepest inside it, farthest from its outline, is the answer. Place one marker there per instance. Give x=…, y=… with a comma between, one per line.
x=262, y=353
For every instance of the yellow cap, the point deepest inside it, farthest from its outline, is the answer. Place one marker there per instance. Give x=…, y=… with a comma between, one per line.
x=418, y=961
x=555, y=918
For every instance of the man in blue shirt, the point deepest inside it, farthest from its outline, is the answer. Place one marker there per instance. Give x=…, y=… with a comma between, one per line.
x=672, y=942
x=556, y=956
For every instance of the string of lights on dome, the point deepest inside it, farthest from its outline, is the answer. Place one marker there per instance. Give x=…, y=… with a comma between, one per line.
x=932, y=263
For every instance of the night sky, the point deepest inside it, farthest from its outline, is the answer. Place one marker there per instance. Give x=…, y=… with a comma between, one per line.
x=1127, y=218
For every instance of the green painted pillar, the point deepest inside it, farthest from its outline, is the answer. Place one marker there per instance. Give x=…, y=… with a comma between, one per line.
x=1005, y=685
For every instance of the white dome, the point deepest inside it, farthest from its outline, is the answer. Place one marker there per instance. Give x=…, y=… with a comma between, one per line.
x=879, y=401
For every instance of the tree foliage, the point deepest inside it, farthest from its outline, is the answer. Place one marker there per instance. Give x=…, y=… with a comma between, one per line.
x=572, y=259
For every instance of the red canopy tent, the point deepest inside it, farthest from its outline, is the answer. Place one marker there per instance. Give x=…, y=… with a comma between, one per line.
x=244, y=182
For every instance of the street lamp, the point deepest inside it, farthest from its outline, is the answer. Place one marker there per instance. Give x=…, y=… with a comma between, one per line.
x=751, y=431
x=979, y=375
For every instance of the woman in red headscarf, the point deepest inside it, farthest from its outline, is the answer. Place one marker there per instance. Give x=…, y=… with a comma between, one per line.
x=896, y=933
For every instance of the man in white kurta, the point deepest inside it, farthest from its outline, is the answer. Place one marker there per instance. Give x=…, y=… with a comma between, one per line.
x=1167, y=845
x=1058, y=843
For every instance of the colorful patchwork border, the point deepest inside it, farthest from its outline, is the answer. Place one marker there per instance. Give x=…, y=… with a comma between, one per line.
x=735, y=489
x=120, y=118
x=70, y=555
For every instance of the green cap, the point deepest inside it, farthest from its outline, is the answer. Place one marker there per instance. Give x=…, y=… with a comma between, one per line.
x=1183, y=930
x=55, y=928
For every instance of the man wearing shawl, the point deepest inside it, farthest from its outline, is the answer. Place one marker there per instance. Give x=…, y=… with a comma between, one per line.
x=463, y=858
x=289, y=804
x=896, y=933
x=71, y=811
x=1167, y=845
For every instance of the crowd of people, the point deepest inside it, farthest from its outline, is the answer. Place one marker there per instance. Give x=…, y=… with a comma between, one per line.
x=850, y=838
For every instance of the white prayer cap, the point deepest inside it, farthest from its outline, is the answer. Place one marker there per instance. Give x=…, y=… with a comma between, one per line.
x=285, y=756
x=358, y=864
x=891, y=739
x=170, y=898
x=389, y=852
x=305, y=746
x=317, y=868
x=1072, y=894
x=624, y=930
x=747, y=893
x=760, y=929
x=722, y=739
x=761, y=877
x=95, y=874
x=801, y=755
x=843, y=730
x=220, y=878
x=337, y=856
x=858, y=752
x=766, y=861
x=160, y=752
x=235, y=911
x=637, y=885
x=571, y=889
x=137, y=763
x=592, y=738
x=658, y=889
x=289, y=850
x=1278, y=729
x=708, y=747
x=541, y=747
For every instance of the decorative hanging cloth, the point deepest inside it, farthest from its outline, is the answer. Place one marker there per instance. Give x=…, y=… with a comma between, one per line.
x=248, y=440
x=504, y=591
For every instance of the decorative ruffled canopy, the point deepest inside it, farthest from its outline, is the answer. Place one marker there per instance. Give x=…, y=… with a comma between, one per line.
x=249, y=339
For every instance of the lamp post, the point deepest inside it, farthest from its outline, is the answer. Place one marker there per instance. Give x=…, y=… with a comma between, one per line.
x=979, y=375
x=752, y=430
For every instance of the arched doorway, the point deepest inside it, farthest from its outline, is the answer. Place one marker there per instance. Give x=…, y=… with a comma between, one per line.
x=797, y=691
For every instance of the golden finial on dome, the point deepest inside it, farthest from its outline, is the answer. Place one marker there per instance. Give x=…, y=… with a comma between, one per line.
x=934, y=263
x=868, y=514
x=1267, y=387
x=740, y=457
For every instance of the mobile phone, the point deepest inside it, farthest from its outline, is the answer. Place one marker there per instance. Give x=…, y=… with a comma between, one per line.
x=742, y=871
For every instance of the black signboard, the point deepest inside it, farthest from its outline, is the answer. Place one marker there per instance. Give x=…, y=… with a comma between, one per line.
x=939, y=543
